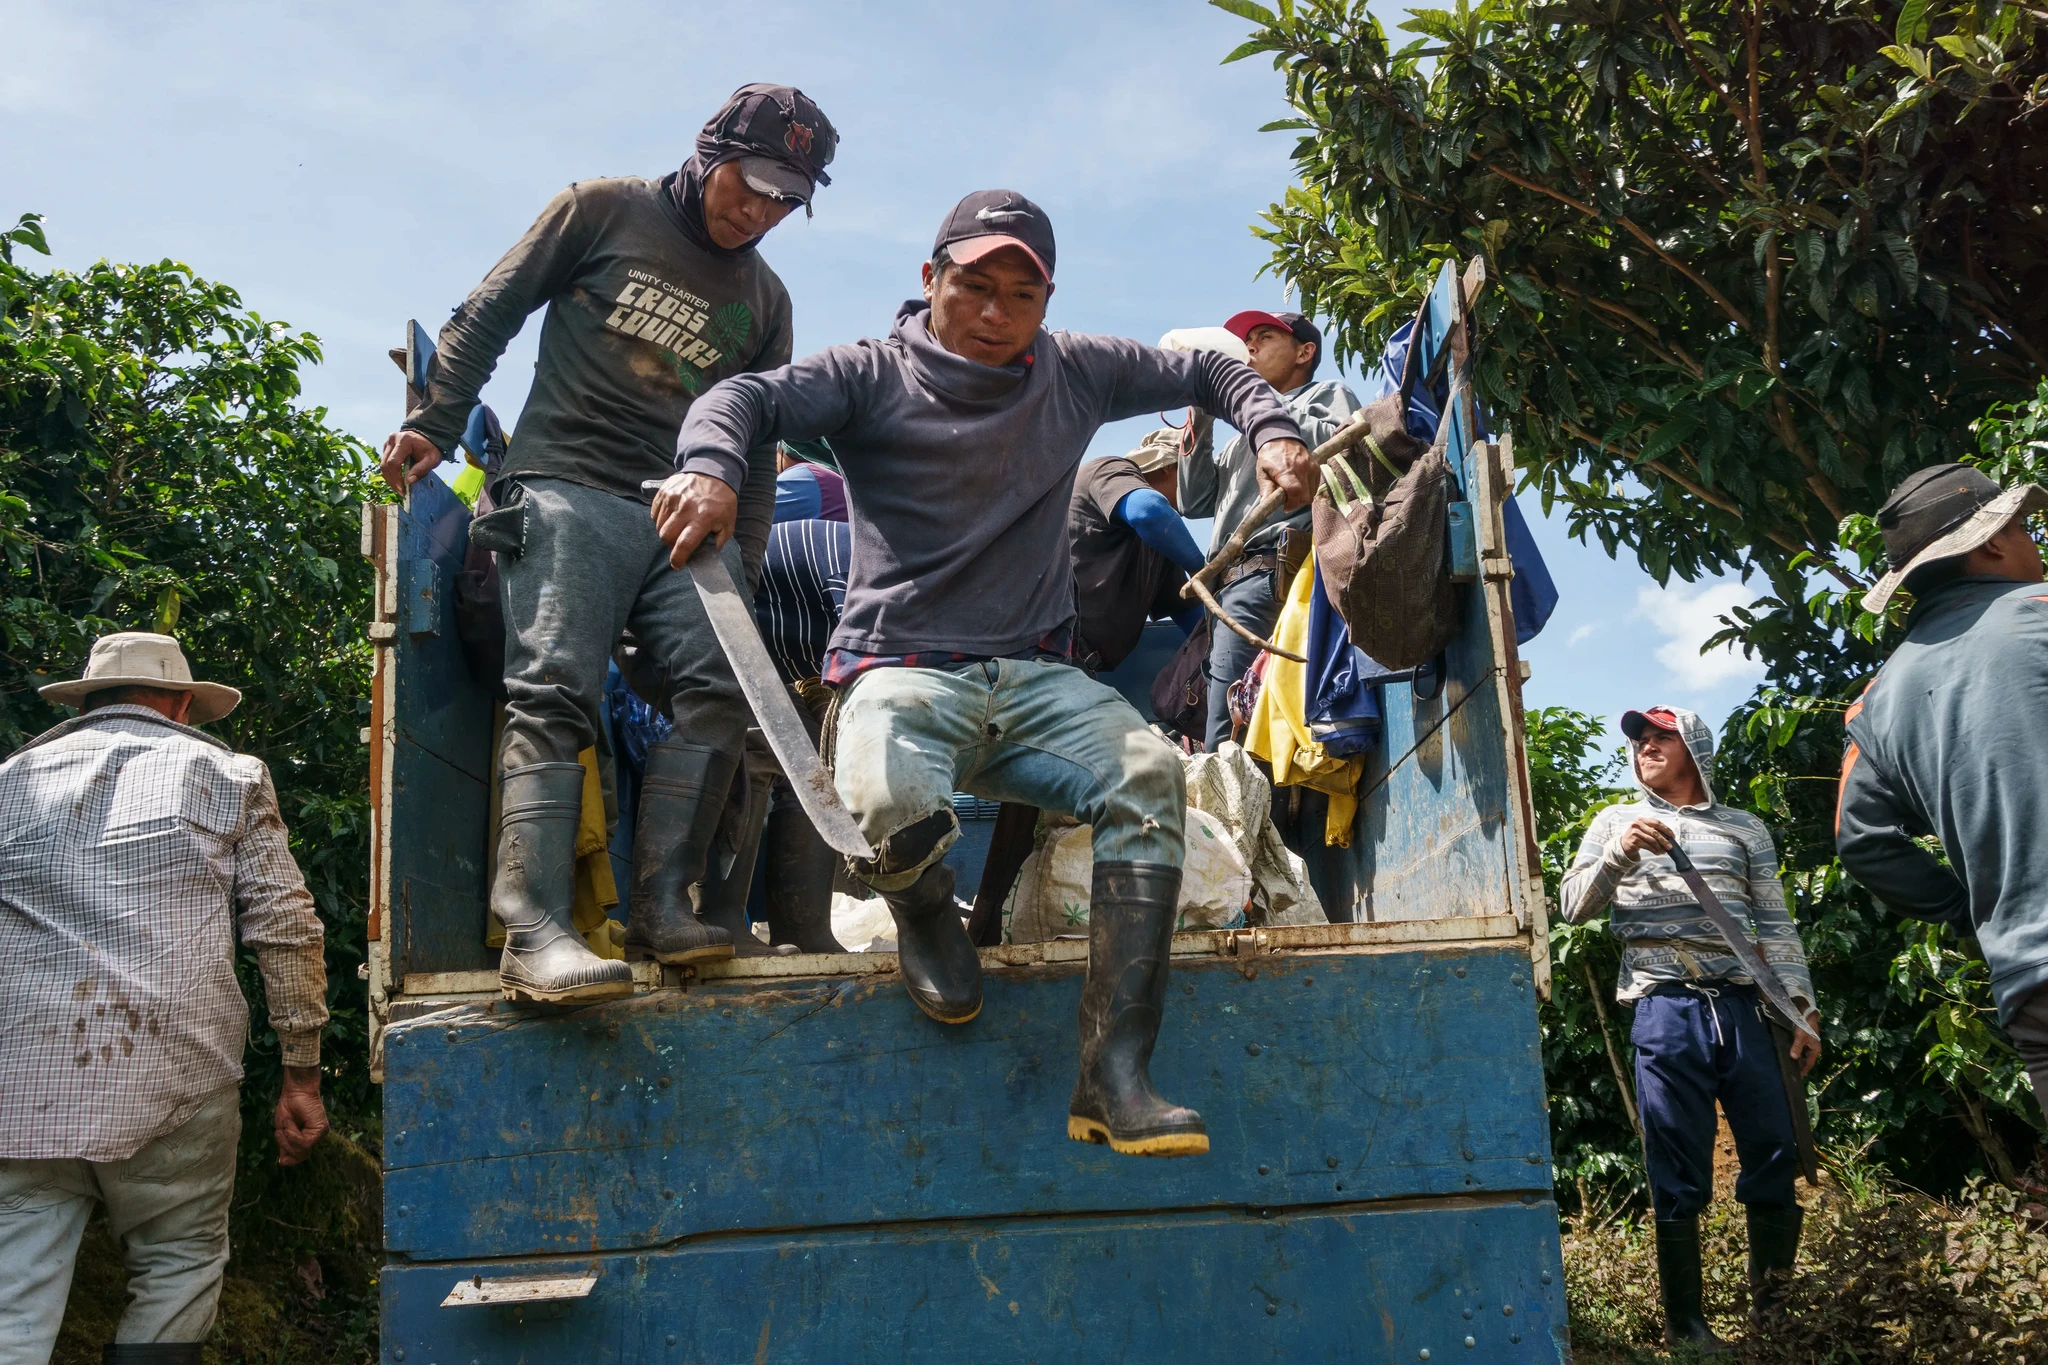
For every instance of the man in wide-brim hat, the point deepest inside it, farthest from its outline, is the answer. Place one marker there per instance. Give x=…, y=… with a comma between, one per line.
x=1951, y=737
x=134, y=851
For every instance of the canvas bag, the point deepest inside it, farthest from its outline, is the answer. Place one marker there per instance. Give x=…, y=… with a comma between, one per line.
x=1180, y=694
x=1386, y=562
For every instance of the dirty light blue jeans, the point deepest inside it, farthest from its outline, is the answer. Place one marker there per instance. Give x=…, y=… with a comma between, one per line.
x=168, y=1208
x=1031, y=731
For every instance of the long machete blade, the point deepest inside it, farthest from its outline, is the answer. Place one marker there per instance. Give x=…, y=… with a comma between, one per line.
x=733, y=621
x=1739, y=943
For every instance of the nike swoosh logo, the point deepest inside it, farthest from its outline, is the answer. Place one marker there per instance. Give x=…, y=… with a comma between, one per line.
x=997, y=215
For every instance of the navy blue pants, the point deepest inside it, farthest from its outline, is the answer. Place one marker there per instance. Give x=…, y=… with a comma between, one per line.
x=1692, y=1048
x=1250, y=599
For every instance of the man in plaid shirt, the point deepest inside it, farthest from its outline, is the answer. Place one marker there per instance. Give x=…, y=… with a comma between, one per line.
x=133, y=849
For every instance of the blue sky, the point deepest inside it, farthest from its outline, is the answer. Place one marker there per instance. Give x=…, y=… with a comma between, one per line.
x=348, y=167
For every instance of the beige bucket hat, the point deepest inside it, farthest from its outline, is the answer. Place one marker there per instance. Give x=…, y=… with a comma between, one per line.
x=134, y=658
x=1158, y=450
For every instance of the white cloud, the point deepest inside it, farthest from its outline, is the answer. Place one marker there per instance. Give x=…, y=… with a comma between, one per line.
x=1583, y=633
x=1686, y=617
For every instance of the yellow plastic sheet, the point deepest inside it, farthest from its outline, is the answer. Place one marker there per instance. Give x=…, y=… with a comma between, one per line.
x=1279, y=730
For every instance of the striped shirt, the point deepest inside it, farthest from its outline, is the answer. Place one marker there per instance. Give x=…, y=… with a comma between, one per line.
x=803, y=587
x=1666, y=936
x=133, y=853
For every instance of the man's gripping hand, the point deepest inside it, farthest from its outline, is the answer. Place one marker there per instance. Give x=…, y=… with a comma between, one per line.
x=407, y=457
x=689, y=508
x=1291, y=467
x=300, y=1119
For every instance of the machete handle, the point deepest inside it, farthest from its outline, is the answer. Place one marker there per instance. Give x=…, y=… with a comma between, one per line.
x=1678, y=858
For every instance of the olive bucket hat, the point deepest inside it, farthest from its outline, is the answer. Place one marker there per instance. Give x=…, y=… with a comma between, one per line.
x=134, y=658
x=1939, y=513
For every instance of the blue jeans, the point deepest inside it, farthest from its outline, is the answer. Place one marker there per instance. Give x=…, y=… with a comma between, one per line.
x=1033, y=732
x=1250, y=599
x=1691, y=1049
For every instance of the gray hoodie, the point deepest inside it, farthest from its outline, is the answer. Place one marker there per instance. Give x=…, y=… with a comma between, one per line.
x=1666, y=936
x=958, y=474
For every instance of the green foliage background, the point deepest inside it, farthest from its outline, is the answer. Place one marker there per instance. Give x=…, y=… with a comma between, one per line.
x=157, y=472
x=1751, y=264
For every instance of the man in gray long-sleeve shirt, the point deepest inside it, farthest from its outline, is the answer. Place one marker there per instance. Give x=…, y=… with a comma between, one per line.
x=1948, y=738
x=959, y=436
x=1286, y=349
x=654, y=291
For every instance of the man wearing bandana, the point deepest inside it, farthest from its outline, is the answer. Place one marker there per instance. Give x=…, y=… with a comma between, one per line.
x=654, y=291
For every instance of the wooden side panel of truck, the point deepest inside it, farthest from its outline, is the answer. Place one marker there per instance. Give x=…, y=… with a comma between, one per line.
x=782, y=1160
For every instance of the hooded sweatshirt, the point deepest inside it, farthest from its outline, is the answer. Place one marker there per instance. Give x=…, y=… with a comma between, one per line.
x=1949, y=739
x=1666, y=937
x=958, y=474
x=644, y=313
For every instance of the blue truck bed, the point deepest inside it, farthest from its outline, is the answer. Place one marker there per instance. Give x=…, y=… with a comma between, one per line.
x=780, y=1159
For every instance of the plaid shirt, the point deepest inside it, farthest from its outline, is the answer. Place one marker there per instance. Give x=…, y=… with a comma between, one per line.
x=131, y=850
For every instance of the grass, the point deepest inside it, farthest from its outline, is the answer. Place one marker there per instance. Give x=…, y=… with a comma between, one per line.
x=1885, y=1275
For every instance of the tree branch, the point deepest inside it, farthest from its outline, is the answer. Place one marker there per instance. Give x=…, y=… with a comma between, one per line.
x=1699, y=65
x=1736, y=315
x=1675, y=356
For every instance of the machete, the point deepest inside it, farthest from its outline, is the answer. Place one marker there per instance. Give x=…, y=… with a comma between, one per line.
x=732, y=620
x=1739, y=943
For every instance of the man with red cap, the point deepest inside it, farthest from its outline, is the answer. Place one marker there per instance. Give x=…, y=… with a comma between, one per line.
x=1700, y=1033
x=1286, y=349
x=959, y=435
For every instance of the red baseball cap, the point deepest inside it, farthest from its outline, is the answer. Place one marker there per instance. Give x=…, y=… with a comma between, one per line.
x=1633, y=723
x=1296, y=325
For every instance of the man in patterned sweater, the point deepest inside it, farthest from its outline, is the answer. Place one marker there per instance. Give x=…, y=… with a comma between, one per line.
x=1700, y=1032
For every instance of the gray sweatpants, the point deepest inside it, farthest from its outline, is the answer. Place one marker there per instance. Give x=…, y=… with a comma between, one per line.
x=593, y=567
x=2028, y=1029
x=167, y=1206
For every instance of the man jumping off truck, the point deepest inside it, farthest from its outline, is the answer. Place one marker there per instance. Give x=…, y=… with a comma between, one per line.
x=959, y=436
x=654, y=292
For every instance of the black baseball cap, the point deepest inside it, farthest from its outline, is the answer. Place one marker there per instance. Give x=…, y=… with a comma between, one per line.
x=989, y=220
x=783, y=140
x=1297, y=325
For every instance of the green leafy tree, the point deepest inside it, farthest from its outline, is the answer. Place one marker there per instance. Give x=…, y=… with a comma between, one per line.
x=1586, y=1061
x=157, y=472
x=1756, y=262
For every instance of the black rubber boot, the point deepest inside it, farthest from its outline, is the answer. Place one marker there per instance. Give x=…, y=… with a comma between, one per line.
x=1131, y=909
x=799, y=883
x=545, y=960
x=938, y=961
x=681, y=797
x=152, y=1353
x=1773, y=1247
x=1678, y=1277
x=722, y=897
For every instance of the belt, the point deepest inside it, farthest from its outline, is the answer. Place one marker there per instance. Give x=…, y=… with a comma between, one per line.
x=1251, y=564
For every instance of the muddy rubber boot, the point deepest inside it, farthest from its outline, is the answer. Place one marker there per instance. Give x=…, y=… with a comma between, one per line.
x=1773, y=1247
x=722, y=899
x=1678, y=1281
x=937, y=960
x=545, y=960
x=153, y=1353
x=681, y=796
x=1131, y=910
x=799, y=883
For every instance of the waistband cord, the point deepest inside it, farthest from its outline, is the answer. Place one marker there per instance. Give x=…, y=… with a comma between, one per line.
x=1712, y=995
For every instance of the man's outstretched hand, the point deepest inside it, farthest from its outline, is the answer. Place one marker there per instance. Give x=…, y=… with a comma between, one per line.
x=1291, y=467
x=690, y=507
x=407, y=456
x=300, y=1119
